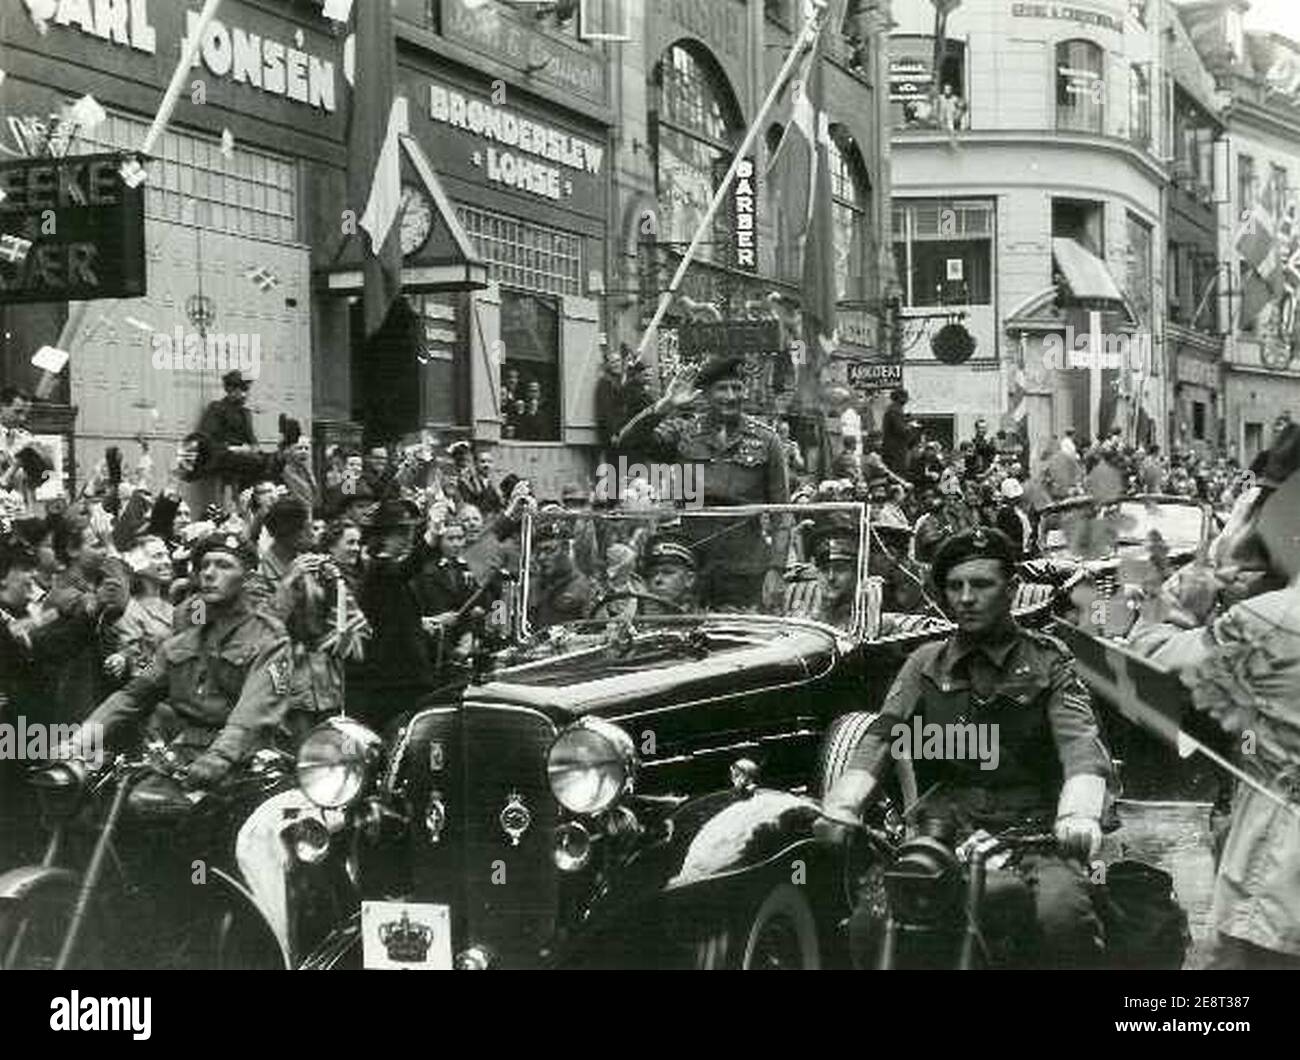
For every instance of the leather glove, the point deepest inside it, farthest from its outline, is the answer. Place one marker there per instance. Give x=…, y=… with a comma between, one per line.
x=1079, y=837
x=1078, y=815
x=205, y=771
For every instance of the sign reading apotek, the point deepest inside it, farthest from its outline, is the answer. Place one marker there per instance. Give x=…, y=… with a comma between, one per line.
x=868, y=376
x=85, y=227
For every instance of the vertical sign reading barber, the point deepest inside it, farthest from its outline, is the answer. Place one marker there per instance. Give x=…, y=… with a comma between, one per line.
x=744, y=199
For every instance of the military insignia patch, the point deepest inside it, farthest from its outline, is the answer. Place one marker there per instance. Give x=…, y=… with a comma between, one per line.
x=279, y=671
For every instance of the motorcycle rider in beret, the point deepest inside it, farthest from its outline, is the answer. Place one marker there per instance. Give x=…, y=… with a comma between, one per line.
x=225, y=675
x=1022, y=685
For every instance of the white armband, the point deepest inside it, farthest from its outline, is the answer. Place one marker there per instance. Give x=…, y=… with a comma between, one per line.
x=1083, y=795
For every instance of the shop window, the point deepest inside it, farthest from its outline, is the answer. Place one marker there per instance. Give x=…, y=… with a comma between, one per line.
x=851, y=194
x=530, y=366
x=1138, y=269
x=1139, y=106
x=943, y=251
x=1198, y=420
x=694, y=126
x=521, y=254
x=1080, y=86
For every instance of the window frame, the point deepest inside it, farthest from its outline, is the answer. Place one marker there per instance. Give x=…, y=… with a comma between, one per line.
x=848, y=168
x=907, y=234
x=663, y=118
x=1069, y=62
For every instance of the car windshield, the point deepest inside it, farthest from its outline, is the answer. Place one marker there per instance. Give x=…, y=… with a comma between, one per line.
x=1132, y=522
x=655, y=563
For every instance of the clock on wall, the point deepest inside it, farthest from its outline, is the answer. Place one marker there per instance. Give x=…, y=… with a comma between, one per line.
x=417, y=219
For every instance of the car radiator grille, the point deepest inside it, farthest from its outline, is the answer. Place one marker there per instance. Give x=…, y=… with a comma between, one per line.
x=502, y=894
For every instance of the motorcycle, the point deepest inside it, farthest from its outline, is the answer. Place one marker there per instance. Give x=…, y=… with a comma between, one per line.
x=922, y=901
x=235, y=877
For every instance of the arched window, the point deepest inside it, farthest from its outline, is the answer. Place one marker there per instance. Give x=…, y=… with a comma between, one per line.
x=851, y=195
x=1080, y=86
x=694, y=131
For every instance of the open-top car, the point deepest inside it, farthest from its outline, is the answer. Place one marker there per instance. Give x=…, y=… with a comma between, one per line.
x=631, y=780
x=1111, y=543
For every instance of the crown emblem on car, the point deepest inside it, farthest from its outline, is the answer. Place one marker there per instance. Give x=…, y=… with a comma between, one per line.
x=515, y=818
x=406, y=942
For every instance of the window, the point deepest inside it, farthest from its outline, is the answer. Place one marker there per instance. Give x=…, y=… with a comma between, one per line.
x=1245, y=183
x=1081, y=220
x=1254, y=441
x=1198, y=420
x=1139, y=107
x=1138, y=272
x=1280, y=183
x=190, y=181
x=943, y=250
x=525, y=255
x=530, y=367
x=693, y=129
x=917, y=99
x=1173, y=282
x=1080, y=86
x=850, y=194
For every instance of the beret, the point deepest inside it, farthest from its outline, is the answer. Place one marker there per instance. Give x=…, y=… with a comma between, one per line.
x=224, y=541
x=551, y=524
x=983, y=542
x=718, y=367
x=669, y=550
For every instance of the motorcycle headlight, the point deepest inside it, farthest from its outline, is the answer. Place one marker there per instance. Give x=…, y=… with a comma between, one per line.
x=591, y=765
x=336, y=762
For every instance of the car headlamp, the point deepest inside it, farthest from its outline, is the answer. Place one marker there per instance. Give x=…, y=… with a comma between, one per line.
x=591, y=765
x=336, y=762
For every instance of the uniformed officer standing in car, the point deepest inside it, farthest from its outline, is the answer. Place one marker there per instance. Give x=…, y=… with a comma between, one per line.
x=225, y=675
x=743, y=462
x=1022, y=686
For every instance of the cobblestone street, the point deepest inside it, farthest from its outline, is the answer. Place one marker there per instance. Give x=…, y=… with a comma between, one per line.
x=1174, y=836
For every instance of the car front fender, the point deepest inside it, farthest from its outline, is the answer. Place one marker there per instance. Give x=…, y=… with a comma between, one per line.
x=17, y=884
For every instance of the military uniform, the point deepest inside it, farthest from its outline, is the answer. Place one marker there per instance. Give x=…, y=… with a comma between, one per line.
x=227, y=683
x=747, y=467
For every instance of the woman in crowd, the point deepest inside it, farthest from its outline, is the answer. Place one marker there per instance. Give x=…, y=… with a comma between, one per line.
x=147, y=621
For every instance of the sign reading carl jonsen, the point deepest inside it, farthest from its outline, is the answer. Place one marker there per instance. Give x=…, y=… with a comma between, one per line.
x=70, y=230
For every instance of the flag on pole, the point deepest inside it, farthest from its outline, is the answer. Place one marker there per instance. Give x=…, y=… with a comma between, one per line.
x=374, y=174
x=805, y=229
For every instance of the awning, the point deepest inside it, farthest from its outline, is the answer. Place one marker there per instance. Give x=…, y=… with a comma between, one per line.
x=447, y=261
x=1090, y=282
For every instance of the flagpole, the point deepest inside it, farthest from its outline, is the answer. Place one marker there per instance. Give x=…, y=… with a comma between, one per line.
x=807, y=38
x=178, y=78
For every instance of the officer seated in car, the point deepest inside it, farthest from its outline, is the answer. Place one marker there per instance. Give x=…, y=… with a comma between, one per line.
x=1020, y=688
x=826, y=591
x=670, y=574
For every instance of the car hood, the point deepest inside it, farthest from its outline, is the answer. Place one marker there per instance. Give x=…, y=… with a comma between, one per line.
x=660, y=666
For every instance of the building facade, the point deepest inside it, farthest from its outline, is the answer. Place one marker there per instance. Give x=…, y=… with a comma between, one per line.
x=228, y=224
x=1258, y=75
x=1042, y=169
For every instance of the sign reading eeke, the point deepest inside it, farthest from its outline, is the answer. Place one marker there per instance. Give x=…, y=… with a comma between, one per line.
x=84, y=225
